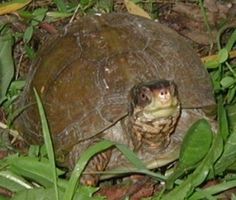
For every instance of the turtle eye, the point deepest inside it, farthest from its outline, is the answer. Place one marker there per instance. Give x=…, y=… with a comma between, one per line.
x=144, y=96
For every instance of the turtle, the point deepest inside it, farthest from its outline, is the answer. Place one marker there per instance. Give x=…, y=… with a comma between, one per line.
x=118, y=77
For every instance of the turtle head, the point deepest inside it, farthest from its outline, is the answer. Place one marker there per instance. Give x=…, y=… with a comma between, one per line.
x=155, y=99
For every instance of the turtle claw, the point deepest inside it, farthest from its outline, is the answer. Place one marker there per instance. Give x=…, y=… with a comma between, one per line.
x=90, y=180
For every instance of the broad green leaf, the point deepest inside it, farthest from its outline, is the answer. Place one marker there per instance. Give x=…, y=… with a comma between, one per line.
x=196, y=145
x=48, y=142
x=6, y=64
x=16, y=86
x=214, y=61
x=40, y=13
x=38, y=16
x=25, y=14
x=186, y=188
x=28, y=34
x=12, y=6
x=36, y=194
x=212, y=64
x=223, y=55
x=227, y=81
x=32, y=168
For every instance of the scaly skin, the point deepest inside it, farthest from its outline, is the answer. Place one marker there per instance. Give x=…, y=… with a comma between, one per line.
x=155, y=112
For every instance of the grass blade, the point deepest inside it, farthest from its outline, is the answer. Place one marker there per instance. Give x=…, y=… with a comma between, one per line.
x=13, y=182
x=48, y=141
x=215, y=189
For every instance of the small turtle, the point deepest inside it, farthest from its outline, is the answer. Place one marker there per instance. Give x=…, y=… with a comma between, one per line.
x=118, y=77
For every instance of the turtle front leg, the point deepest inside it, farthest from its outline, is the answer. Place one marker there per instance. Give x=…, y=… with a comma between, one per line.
x=97, y=164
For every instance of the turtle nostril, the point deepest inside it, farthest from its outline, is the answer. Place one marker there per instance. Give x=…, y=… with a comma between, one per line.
x=164, y=95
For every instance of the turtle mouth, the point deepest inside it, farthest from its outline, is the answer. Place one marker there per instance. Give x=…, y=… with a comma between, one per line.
x=161, y=112
x=159, y=108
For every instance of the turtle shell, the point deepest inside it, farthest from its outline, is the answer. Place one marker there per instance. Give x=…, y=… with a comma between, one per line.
x=84, y=75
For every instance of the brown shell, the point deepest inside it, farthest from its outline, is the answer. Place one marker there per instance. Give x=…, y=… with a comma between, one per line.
x=84, y=75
